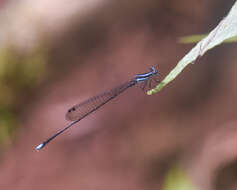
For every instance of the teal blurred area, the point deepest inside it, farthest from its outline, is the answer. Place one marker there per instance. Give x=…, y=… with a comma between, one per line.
x=20, y=75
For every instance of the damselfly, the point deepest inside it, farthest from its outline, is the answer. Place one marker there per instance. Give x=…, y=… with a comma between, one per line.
x=80, y=111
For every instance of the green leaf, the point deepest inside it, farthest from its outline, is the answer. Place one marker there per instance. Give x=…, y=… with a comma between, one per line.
x=192, y=38
x=176, y=179
x=196, y=38
x=226, y=29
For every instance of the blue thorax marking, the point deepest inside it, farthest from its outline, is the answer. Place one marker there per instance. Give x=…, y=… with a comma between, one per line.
x=146, y=76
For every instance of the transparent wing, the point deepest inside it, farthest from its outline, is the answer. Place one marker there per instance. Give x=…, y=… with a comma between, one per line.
x=83, y=109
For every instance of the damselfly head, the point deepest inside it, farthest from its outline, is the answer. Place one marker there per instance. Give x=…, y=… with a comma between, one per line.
x=154, y=71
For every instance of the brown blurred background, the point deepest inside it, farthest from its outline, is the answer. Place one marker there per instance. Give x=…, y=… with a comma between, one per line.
x=54, y=54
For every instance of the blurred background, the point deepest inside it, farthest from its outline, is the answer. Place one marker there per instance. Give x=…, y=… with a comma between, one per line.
x=54, y=54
